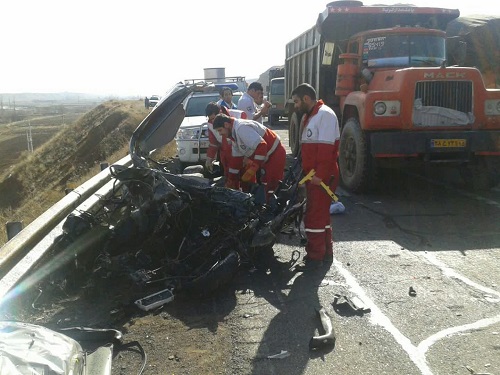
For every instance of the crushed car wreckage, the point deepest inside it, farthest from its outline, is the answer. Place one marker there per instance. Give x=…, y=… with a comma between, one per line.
x=170, y=232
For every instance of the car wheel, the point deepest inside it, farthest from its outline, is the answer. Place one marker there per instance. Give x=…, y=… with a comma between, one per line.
x=215, y=277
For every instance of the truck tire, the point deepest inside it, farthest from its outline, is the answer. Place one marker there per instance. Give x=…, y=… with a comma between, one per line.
x=293, y=133
x=356, y=165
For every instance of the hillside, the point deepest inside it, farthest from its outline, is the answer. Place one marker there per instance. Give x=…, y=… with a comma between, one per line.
x=69, y=158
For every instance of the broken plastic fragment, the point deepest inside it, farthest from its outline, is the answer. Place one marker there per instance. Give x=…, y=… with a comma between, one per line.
x=354, y=303
x=280, y=355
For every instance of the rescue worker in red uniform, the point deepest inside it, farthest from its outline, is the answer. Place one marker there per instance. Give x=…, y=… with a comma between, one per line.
x=218, y=144
x=256, y=146
x=319, y=148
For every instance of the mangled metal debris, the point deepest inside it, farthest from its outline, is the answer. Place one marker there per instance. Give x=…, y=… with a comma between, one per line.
x=167, y=232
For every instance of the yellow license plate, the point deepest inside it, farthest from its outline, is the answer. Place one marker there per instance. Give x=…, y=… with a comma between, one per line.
x=449, y=143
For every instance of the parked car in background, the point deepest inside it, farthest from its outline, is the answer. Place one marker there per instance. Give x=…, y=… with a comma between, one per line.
x=192, y=136
x=153, y=100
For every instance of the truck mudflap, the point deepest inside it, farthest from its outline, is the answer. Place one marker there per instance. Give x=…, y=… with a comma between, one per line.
x=408, y=144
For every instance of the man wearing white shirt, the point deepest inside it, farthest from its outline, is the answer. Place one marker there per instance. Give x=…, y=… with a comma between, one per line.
x=248, y=100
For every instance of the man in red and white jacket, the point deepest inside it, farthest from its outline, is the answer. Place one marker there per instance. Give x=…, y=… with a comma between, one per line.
x=218, y=143
x=256, y=146
x=319, y=148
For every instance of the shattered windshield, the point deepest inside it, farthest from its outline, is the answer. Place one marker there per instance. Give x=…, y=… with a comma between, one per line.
x=404, y=50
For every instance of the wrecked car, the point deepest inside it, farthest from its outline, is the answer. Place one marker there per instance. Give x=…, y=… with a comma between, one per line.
x=172, y=233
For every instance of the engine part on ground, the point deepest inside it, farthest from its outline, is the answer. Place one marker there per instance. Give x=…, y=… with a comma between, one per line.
x=328, y=338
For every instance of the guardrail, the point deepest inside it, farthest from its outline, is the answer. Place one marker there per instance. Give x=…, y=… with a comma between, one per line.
x=17, y=257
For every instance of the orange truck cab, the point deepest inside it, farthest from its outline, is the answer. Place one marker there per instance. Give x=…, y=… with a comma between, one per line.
x=383, y=69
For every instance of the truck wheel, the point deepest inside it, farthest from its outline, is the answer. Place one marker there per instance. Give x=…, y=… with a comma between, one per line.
x=356, y=165
x=293, y=133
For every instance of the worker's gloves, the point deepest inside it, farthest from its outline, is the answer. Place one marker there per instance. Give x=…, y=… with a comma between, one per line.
x=315, y=180
x=251, y=171
x=209, y=164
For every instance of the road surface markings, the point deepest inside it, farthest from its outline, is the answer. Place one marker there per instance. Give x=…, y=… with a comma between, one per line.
x=450, y=273
x=417, y=353
x=377, y=317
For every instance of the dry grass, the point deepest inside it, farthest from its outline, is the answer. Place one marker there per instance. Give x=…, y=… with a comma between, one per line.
x=70, y=158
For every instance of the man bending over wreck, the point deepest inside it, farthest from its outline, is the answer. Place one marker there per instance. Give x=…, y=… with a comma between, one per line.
x=256, y=146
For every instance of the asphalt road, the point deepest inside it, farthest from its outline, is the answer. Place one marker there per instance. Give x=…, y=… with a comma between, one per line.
x=415, y=232
x=418, y=233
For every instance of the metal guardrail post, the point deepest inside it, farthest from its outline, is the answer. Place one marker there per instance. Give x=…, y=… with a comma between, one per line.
x=13, y=228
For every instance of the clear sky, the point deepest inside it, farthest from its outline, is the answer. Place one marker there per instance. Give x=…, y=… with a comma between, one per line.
x=122, y=47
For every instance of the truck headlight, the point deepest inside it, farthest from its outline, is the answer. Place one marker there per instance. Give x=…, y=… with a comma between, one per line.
x=387, y=108
x=187, y=133
x=492, y=107
x=380, y=108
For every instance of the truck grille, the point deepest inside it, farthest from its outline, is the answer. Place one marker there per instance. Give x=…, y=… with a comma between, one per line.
x=455, y=95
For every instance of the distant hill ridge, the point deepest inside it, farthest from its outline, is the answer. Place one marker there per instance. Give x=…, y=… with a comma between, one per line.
x=59, y=97
x=65, y=161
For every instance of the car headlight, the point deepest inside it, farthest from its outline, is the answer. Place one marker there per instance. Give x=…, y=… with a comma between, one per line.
x=187, y=133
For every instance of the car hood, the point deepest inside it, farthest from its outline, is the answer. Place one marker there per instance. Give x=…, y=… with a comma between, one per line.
x=160, y=126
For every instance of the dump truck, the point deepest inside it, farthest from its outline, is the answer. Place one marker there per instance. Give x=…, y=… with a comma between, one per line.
x=383, y=70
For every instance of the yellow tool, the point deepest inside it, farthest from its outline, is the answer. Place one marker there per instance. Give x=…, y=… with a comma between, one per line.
x=329, y=191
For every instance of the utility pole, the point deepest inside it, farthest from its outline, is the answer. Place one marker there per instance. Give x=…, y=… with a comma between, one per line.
x=30, y=139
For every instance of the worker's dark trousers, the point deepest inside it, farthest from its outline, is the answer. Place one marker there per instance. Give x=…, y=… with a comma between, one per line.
x=317, y=223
